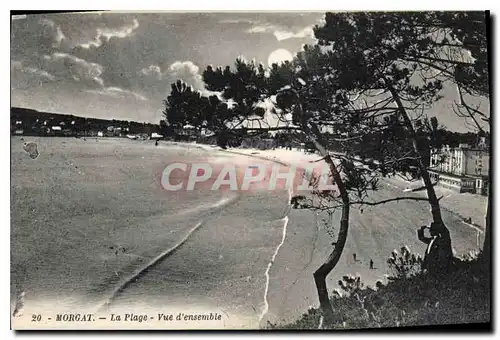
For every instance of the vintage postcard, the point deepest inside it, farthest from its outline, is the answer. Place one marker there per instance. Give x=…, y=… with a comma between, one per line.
x=250, y=170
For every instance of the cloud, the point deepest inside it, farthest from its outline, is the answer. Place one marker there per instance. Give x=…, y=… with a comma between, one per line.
x=261, y=28
x=53, y=31
x=31, y=38
x=157, y=82
x=286, y=27
x=237, y=21
x=17, y=65
x=26, y=76
x=38, y=73
x=122, y=32
x=187, y=72
x=71, y=67
x=281, y=32
x=117, y=92
x=303, y=33
x=105, y=34
x=152, y=71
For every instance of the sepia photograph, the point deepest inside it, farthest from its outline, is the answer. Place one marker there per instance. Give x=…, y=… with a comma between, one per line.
x=250, y=170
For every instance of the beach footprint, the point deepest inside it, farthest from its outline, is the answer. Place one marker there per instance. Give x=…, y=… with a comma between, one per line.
x=32, y=149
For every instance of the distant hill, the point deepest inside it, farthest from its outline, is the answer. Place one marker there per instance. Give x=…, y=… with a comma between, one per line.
x=37, y=122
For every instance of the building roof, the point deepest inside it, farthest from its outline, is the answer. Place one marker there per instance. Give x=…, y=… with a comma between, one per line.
x=449, y=174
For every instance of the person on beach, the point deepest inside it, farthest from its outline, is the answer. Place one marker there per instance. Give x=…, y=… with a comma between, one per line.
x=371, y=264
x=438, y=255
x=354, y=257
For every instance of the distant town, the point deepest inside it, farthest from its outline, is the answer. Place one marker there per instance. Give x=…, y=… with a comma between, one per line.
x=30, y=122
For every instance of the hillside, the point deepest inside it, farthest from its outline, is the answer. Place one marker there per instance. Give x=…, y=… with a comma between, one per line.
x=34, y=122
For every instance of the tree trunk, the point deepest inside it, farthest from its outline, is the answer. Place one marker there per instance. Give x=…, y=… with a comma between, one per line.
x=322, y=272
x=431, y=194
x=312, y=130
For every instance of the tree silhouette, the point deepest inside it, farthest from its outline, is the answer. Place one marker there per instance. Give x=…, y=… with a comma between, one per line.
x=183, y=106
x=359, y=96
x=317, y=92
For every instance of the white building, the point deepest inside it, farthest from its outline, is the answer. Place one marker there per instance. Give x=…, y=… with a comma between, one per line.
x=155, y=135
x=464, y=169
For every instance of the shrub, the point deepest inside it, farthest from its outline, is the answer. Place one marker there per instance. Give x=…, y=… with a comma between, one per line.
x=404, y=266
x=410, y=298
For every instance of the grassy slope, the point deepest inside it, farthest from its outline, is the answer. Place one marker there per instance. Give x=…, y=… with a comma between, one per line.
x=459, y=298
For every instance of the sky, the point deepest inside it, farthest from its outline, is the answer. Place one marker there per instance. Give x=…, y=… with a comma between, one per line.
x=120, y=65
